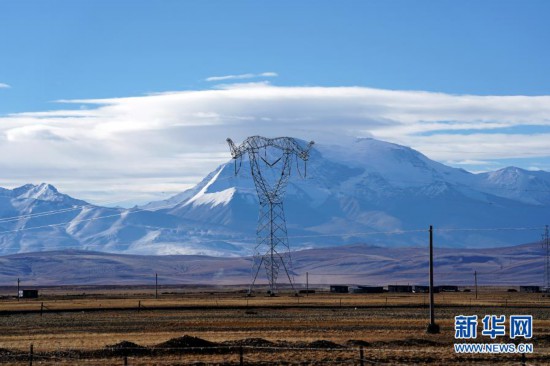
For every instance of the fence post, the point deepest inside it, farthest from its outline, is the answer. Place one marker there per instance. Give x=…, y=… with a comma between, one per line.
x=41, y=308
x=30, y=355
x=523, y=361
x=361, y=356
x=241, y=356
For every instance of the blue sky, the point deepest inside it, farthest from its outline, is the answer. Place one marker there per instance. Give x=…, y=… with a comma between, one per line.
x=82, y=51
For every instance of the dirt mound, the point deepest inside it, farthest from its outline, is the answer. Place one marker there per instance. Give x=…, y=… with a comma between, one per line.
x=250, y=342
x=324, y=344
x=357, y=343
x=415, y=342
x=125, y=345
x=126, y=348
x=544, y=338
x=186, y=342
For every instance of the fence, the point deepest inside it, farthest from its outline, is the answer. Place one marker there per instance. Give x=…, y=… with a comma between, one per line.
x=257, y=355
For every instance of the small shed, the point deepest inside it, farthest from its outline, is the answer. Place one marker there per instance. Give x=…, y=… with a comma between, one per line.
x=529, y=289
x=367, y=290
x=399, y=288
x=340, y=289
x=28, y=294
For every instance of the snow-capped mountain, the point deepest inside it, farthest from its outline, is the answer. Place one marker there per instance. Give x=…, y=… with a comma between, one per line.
x=38, y=218
x=352, y=192
x=367, y=191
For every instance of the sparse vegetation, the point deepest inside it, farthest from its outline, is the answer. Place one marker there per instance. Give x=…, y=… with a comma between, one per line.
x=210, y=327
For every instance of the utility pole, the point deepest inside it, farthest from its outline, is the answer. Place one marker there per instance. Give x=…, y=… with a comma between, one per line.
x=307, y=283
x=546, y=244
x=432, y=327
x=475, y=281
x=156, y=285
x=18, y=289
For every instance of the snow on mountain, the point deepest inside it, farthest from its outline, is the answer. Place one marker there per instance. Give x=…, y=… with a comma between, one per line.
x=531, y=187
x=362, y=192
x=372, y=186
x=38, y=218
x=212, y=199
x=400, y=166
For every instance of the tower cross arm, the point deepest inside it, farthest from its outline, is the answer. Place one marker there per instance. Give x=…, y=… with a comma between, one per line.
x=236, y=151
x=303, y=153
x=254, y=143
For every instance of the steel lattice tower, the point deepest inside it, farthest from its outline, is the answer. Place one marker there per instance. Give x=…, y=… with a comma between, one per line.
x=270, y=165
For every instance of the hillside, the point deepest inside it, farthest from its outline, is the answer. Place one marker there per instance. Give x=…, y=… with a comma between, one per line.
x=355, y=264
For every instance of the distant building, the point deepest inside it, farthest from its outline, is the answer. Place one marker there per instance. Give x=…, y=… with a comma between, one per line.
x=340, y=289
x=529, y=289
x=28, y=294
x=448, y=288
x=399, y=288
x=367, y=290
x=422, y=289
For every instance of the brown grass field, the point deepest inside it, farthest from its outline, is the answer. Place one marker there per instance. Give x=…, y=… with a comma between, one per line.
x=77, y=325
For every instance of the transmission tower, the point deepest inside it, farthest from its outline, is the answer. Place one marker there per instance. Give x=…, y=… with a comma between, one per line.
x=546, y=244
x=270, y=165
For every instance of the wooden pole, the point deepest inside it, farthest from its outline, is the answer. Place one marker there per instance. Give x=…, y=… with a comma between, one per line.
x=156, y=285
x=475, y=281
x=307, y=283
x=361, y=356
x=241, y=356
x=432, y=314
x=18, y=289
x=432, y=327
x=31, y=352
x=41, y=308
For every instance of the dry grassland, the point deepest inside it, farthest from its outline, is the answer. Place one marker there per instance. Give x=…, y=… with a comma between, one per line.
x=319, y=329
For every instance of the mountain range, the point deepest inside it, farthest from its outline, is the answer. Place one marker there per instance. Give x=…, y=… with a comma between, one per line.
x=367, y=192
x=359, y=264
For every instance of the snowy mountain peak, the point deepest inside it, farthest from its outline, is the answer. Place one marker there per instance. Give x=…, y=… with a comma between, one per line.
x=509, y=175
x=519, y=184
x=43, y=192
x=400, y=166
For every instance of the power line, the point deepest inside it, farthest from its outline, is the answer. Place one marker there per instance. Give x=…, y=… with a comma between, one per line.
x=241, y=239
x=121, y=213
x=248, y=189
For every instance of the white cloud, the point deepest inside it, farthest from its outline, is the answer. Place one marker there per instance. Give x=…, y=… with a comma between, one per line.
x=4, y=86
x=469, y=162
x=168, y=141
x=242, y=76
